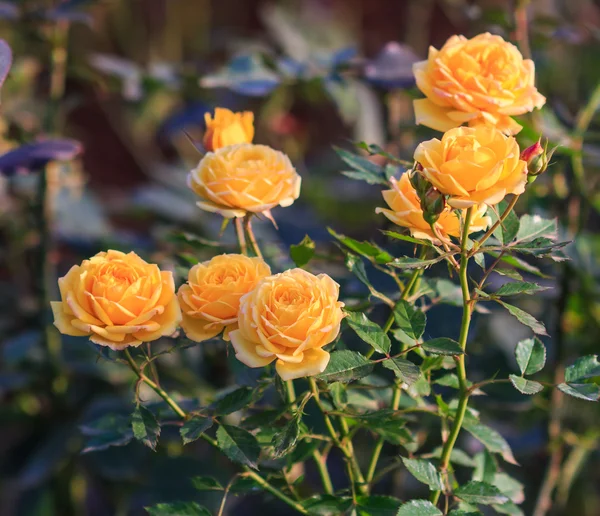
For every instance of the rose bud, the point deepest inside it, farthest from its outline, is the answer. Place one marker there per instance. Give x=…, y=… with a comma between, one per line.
x=433, y=204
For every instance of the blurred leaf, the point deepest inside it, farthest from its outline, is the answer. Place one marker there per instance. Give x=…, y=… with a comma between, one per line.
x=534, y=226
x=145, y=426
x=405, y=370
x=525, y=318
x=303, y=252
x=443, y=346
x=346, y=366
x=583, y=368
x=178, y=509
x=406, y=238
x=542, y=247
x=490, y=438
x=583, y=391
x=457, y=457
x=410, y=319
x=239, y=445
x=392, y=67
x=525, y=386
x=206, y=484
x=530, y=355
x=109, y=430
x=339, y=394
x=363, y=169
x=285, y=439
x=508, y=508
x=387, y=424
x=406, y=262
x=480, y=493
x=34, y=156
x=234, y=401
x=193, y=428
x=369, y=332
x=424, y=471
x=418, y=508
x=327, y=505
x=363, y=248
x=5, y=60
x=520, y=264
x=377, y=505
x=518, y=287
x=507, y=231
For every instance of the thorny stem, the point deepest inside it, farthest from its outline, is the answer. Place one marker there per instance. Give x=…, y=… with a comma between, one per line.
x=241, y=236
x=478, y=243
x=248, y=225
x=183, y=415
x=460, y=361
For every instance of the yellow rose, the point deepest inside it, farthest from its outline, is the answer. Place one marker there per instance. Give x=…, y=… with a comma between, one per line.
x=210, y=300
x=482, y=81
x=118, y=300
x=244, y=178
x=289, y=317
x=227, y=128
x=473, y=165
x=406, y=212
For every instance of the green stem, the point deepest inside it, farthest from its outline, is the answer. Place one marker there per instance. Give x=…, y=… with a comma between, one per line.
x=460, y=361
x=241, y=236
x=274, y=491
x=253, y=241
x=477, y=244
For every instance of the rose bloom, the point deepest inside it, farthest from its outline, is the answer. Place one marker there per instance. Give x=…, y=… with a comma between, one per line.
x=473, y=165
x=405, y=211
x=210, y=300
x=289, y=317
x=118, y=300
x=483, y=80
x=238, y=179
x=227, y=128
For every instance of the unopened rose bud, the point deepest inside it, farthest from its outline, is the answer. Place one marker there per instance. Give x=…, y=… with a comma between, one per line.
x=433, y=204
x=532, y=152
x=537, y=158
x=418, y=181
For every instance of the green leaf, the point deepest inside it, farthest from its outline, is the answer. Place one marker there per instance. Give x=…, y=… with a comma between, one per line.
x=424, y=471
x=480, y=493
x=109, y=430
x=285, y=439
x=377, y=505
x=456, y=457
x=363, y=169
x=145, y=426
x=234, y=401
x=443, y=346
x=406, y=262
x=193, y=428
x=178, y=509
x=525, y=318
x=530, y=355
x=345, y=366
x=583, y=391
x=410, y=319
x=582, y=369
x=387, y=424
x=406, y=238
x=490, y=438
x=418, y=508
x=520, y=264
x=525, y=386
x=339, y=394
x=518, y=287
x=206, y=484
x=239, y=445
x=485, y=467
x=534, y=226
x=506, y=231
x=363, y=248
x=541, y=247
x=303, y=252
x=374, y=149
x=356, y=266
x=508, y=508
x=369, y=332
x=459, y=512
x=327, y=505
x=405, y=370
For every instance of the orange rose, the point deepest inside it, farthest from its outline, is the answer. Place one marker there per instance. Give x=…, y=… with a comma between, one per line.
x=473, y=165
x=406, y=212
x=227, y=128
x=118, y=300
x=483, y=80
x=238, y=179
x=211, y=298
x=289, y=317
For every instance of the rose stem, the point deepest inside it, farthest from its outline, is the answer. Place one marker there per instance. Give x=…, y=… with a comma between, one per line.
x=248, y=224
x=239, y=229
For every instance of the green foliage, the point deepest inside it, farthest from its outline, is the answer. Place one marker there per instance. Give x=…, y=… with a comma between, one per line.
x=424, y=471
x=145, y=426
x=443, y=346
x=418, y=508
x=346, y=366
x=524, y=318
x=239, y=445
x=234, y=401
x=369, y=332
x=362, y=168
x=579, y=379
x=366, y=249
x=525, y=386
x=178, y=509
x=480, y=493
x=303, y=252
x=109, y=430
x=410, y=319
x=193, y=428
x=530, y=355
x=404, y=370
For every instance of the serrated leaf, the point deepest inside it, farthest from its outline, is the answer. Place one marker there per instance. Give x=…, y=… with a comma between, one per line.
x=239, y=445
x=485, y=467
x=525, y=386
x=406, y=262
x=387, y=424
x=285, y=439
x=356, y=266
x=410, y=319
x=327, y=505
x=582, y=369
x=418, y=508
x=443, y=346
x=525, y=318
x=520, y=264
x=369, y=332
x=363, y=248
x=425, y=472
x=405, y=370
x=363, y=169
x=518, y=287
x=542, y=247
x=530, y=355
x=109, y=430
x=377, y=505
x=178, y=509
x=490, y=438
x=583, y=391
x=145, y=426
x=346, y=366
x=406, y=238
x=193, y=428
x=534, y=226
x=303, y=252
x=480, y=493
x=506, y=231
x=206, y=484
x=234, y=401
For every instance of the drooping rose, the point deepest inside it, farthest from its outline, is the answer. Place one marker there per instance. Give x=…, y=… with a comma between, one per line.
x=473, y=165
x=238, y=179
x=118, y=300
x=210, y=299
x=479, y=81
x=227, y=128
x=288, y=318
